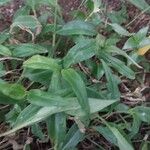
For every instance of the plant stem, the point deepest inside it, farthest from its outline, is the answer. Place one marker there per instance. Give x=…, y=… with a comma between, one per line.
x=55, y=21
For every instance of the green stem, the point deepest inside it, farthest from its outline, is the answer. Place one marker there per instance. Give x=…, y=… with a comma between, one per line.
x=55, y=21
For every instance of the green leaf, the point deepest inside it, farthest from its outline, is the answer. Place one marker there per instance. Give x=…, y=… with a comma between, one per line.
x=41, y=62
x=121, y=140
x=44, y=99
x=112, y=85
x=2, y=72
x=122, y=108
x=2, y=2
x=40, y=98
x=37, y=131
x=96, y=105
x=145, y=145
x=32, y=3
x=142, y=113
x=50, y=28
x=57, y=122
x=120, y=16
x=73, y=137
x=119, y=66
x=4, y=51
x=23, y=11
x=120, y=30
x=118, y=51
x=2, y=69
x=26, y=22
x=55, y=84
x=131, y=43
x=27, y=147
x=50, y=123
x=4, y=36
x=144, y=42
x=33, y=114
x=142, y=33
x=135, y=125
x=11, y=93
x=28, y=49
x=38, y=75
x=107, y=133
x=143, y=5
x=78, y=27
x=60, y=129
x=78, y=86
x=51, y=2
x=94, y=93
x=12, y=115
x=80, y=52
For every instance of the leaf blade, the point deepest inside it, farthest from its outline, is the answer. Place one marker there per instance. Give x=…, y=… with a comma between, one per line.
x=41, y=62
x=4, y=51
x=78, y=86
x=78, y=27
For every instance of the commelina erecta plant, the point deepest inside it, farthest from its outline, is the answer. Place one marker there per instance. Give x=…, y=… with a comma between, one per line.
x=62, y=79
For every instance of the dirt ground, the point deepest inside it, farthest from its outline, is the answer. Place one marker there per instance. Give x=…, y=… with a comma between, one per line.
x=7, y=12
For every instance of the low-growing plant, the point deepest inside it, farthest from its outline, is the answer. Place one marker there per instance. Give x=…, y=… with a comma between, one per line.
x=52, y=71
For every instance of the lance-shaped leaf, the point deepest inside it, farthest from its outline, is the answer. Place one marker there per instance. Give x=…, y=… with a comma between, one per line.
x=119, y=66
x=78, y=27
x=41, y=62
x=32, y=3
x=107, y=133
x=4, y=51
x=60, y=128
x=73, y=137
x=120, y=30
x=114, y=49
x=55, y=84
x=26, y=21
x=78, y=86
x=56, y=123
x=37, y=131
x=28, y=49
x=4, y=36
x=80, y=52
x=40, y=98
x=112, y=85
x=11, y=93
x=121, y=140
x=142, y=113
x=33, y=114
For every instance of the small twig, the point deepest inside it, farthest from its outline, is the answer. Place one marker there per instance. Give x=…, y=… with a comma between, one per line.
x=3, y=107
x=55, y=21
x=133, y=99
x=29, y=85
x=137, y=16
x=145, y=137
x=88, y=74
x=96, y=144
x=10, y=58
